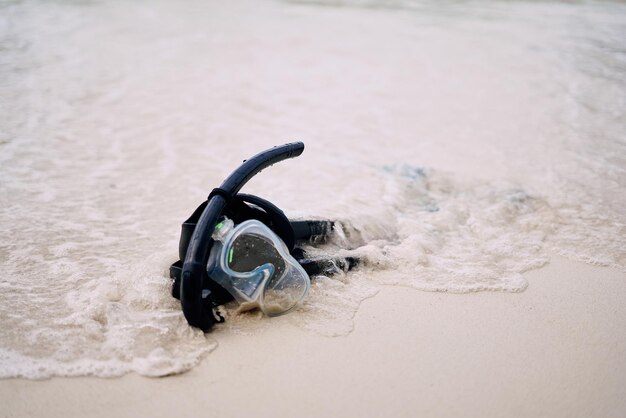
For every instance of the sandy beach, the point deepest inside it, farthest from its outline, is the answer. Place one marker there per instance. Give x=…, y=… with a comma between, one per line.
x=539, y=353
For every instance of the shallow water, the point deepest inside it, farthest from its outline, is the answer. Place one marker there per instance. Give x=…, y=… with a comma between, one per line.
x=459, y=143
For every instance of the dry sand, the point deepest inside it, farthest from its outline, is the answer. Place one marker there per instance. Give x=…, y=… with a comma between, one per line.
x=557, y=349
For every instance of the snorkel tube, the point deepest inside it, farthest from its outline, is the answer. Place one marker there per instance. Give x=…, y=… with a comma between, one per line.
x=194, y=297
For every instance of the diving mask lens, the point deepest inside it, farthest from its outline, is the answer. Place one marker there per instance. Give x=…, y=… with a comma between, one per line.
x=254, y=265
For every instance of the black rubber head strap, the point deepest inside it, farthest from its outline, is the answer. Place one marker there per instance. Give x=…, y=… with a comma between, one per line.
x=276, y=220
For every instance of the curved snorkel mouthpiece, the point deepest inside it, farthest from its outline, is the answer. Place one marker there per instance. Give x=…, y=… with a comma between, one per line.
x=195, y=299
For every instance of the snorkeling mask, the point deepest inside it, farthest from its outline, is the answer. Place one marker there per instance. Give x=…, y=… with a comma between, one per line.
x=242, y=247
x=254, y=265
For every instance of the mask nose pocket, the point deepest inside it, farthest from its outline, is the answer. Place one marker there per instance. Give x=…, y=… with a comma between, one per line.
x=251, y=284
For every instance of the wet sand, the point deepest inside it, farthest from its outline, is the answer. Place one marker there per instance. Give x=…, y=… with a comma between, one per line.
x=542, y=352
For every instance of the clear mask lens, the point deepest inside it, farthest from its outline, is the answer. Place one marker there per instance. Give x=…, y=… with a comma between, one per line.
x=254, y=265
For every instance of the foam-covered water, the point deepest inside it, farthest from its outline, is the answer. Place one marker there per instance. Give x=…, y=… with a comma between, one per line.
x=459, y=145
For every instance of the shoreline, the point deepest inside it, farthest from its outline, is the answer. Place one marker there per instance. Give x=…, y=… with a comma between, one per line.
x=556, y=349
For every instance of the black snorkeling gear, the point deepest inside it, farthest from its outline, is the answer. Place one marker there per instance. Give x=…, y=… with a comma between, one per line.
x=268, y=261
